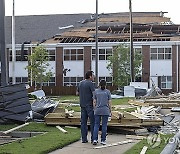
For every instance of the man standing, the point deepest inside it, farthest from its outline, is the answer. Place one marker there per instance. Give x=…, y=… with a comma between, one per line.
x=85, y=91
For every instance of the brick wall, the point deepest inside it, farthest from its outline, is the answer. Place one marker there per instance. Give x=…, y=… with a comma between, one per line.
x=59, y=66
x=87, y=59
x=145, y=63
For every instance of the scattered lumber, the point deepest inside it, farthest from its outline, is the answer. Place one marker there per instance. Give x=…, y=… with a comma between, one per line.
x=117, y=120
x=113, y=144
x=15, y=128
x=135, y=137
x=144, y=149
x=61, y=129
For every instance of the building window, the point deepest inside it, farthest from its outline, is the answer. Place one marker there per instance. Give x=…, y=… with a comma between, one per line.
x=19, y=80
x=73, y=54
x=161, y=53
x=138, y=50
x=166, y=82
x=107, y=79
x=72, y=81
x=103, y=54
x=52, y=82
x=51, y=54
x=20, y=55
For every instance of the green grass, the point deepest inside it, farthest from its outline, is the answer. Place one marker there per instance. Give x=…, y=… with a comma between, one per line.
x=40, y=144
x=69, y=97
x=121, y=101
x=136, y=149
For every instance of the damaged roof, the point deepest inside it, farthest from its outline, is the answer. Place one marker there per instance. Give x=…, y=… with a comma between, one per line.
x=72, y=27
x=116, y=28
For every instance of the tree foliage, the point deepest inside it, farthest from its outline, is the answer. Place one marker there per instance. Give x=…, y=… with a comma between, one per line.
x=38, y=66
x=119, y=62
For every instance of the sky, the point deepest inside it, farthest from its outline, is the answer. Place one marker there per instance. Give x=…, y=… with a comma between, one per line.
x=40, y=7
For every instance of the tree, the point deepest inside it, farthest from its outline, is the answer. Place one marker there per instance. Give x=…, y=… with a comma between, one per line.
x=38, y=66
x=119, y=62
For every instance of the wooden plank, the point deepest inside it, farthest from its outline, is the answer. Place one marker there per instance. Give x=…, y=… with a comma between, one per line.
x=144, y=149
x=71, y=127
x=61, y=129
x=113, y=144
x=135, y=137
x=15, y=128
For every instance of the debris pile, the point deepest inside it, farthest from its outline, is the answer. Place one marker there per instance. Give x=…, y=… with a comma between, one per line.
x=42, y=105
x=14, y=104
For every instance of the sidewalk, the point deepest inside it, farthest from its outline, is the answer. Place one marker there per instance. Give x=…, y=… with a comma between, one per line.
x=88, y=148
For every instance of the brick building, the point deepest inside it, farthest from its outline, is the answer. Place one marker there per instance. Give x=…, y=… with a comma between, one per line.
x=70, y=40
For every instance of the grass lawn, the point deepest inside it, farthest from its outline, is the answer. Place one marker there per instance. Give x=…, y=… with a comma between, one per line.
x=40, y=144
x=53, y=138
x=122, y=101
x=136, y=149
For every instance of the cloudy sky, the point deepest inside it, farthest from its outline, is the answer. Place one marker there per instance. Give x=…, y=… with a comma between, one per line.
x=39, y=7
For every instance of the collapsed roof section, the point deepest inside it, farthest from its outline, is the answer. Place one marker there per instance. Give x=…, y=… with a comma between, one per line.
x=115, y=28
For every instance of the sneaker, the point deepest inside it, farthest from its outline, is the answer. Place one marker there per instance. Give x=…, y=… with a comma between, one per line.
x=94, y=142
x=103, y=142
x=85, y=141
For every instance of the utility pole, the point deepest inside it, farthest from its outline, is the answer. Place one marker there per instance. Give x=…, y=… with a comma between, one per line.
x=13, y=46
x=97, y=54
x=131, y=43
x=4, y=80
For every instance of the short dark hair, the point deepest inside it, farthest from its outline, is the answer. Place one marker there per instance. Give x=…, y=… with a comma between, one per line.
x=102, y=84
x=88, y=74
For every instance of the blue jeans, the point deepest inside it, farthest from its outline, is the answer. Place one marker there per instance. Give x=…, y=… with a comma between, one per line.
x=85, y=113
x=97, y=125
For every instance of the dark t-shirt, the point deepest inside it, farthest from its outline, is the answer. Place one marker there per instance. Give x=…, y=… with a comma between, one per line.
x=102, y=98
x=85, y=90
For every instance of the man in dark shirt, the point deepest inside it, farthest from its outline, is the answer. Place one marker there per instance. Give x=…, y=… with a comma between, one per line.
x=85, y=91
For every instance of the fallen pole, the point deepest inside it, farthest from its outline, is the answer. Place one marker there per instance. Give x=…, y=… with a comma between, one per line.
x=15, y=128
x=172, y=145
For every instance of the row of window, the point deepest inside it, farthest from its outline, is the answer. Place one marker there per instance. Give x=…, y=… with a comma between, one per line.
x=166, y=81
x=77, y=54
x=25, y=80
x=74, y=81
x=161, y=53
x=23, y=55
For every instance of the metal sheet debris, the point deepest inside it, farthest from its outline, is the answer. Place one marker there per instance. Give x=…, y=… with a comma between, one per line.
x=14, y=104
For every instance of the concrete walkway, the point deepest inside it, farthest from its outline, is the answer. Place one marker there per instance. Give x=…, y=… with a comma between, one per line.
x=88, y=148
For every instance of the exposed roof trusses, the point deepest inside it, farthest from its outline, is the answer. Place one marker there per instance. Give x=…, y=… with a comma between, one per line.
x=120, y=33
x=115, y=28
